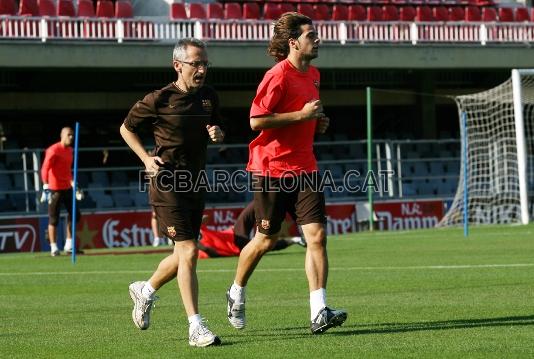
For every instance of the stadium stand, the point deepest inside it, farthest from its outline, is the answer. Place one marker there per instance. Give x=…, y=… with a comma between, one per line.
x=66, y=8
x=86, y=9
x=105, y=8
x=178, y=11
x=197, y=11
x=251, y=11
x=232, y=11
x=215, y=11
x=8, y=7
x=123, y=9
x=47, y=8
x=28, y=8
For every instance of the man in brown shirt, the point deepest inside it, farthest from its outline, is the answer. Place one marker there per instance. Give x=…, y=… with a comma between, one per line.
x=184, y=116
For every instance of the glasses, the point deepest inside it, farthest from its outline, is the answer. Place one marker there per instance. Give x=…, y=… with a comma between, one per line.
x=197, y=64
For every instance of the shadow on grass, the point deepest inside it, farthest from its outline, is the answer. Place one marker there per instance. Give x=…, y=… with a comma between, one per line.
x=385, y=328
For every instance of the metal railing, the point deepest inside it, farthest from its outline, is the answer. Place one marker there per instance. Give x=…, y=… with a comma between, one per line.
x=342, y=32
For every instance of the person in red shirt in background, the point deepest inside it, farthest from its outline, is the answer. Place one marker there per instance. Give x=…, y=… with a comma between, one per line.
x=288, y=112
x=56, y=174
x=231, y=241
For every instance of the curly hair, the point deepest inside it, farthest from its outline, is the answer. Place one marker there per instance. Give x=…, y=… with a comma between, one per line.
x=285, y=28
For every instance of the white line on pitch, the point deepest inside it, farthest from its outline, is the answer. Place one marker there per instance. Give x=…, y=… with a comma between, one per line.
x=460, y=266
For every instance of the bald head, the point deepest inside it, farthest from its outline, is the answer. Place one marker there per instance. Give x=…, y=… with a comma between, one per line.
x=67, y=136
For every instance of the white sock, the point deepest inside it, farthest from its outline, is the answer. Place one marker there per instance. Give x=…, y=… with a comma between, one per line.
x=148, y=290
x=53, y=247
x=237, y=293
x=317, y=302
x=194, y=320
x=68, y=244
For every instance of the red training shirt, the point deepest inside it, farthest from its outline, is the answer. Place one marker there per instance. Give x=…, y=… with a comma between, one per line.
x=56, y=169
x=289, y=148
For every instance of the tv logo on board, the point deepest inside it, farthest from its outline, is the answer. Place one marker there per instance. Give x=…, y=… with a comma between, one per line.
x=19, y=236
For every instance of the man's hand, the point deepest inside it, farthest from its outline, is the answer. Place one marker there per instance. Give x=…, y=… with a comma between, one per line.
x=322, y=125
x=312, y=110
x=215, y=133
x=45, y=195
x=152, y=165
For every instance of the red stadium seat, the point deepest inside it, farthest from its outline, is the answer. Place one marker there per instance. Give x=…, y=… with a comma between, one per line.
x=85, y=8
x=197, y=11
x=374, y=13
x=28, y=8
x=47, y=8
x=340, y=12
x=178, y=11
x=271, y=11
x=8, y=7
x=456, y=14
x=322, y=12
x=306, y=9
x=472, y=13
x=123, y=9
x=104, y=8
x=506, y=14
x=407, y=13
x=215, y=11
x=521, y=14
x=66, y=8
x=390, y=13
x=286, y=7
x=489, y=14
x=357, y=13
x=251, y=11
x=232, y=10
x=440, y=13
x=423, y=13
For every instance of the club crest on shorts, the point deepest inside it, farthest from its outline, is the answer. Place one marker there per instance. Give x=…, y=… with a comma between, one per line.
x=171, y=231
x=316, y=83
x=207, y=106
x=265, y=224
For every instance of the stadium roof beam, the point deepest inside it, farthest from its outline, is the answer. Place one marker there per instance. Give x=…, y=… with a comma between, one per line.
x=18, y=54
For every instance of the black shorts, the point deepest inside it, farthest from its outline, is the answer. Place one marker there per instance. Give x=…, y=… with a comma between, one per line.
x=179, y=223
x=301, y=198
x=57, y=198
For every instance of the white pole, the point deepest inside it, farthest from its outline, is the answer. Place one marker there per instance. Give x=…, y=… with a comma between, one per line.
x=521, y=148
x=389, y=167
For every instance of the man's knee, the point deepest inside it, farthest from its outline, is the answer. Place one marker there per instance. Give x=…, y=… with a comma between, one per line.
x=316, y=235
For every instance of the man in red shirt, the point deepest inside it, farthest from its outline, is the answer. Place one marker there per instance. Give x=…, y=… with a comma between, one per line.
x=56, y=175
x=288, y=112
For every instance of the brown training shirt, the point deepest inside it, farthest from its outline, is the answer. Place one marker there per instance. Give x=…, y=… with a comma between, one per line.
x=178, y=122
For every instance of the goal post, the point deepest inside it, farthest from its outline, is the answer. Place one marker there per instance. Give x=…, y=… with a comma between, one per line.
x=496, y=164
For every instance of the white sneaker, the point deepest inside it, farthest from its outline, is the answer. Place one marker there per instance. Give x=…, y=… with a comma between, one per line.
x=235, y=312
x=142, y=305
x=54, y=253
x=201, y=336
x=299, y=240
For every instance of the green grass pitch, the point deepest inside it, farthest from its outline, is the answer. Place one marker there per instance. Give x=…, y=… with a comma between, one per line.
x=417, y=294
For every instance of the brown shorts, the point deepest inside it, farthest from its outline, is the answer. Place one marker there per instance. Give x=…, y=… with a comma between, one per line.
x=179, y=223
x=273, y=197
x=57, y=199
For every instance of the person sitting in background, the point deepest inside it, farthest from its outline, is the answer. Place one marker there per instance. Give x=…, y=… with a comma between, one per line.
x=231, y=241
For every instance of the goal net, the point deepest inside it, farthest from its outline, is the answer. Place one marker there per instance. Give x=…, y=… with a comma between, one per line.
x=497, y=154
